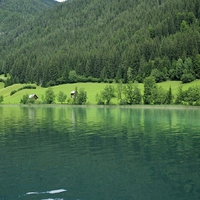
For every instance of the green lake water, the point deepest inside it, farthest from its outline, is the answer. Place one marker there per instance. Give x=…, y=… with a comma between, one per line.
x=99, y=153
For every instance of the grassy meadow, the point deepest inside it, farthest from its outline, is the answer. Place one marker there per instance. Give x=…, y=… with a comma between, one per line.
x=91, y=88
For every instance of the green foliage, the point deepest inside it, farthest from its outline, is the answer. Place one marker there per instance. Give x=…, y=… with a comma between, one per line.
x=191, y=96
x=24, y=99
x=1, y=98
x=15, y=13
x=129, y=74
x=187, y=77
x=8, y=82
x=51, y=83
x=158, y=75
x=151, y=32
x=106, y=95
x=132, y=94
x=179, y=96
x=119, y=90
x=2, y=80
x=149, y=88
x=67, y=43
x=62, y=97
x=13, y=92
x=73, y=77
x=23, y=88
x=81, y=97
x=179, y=69
x=196, y=65
x=28, y=87
x=159, y=95
x=183, y=26
x=49, y=96
x=169, y=97
x=99, y=99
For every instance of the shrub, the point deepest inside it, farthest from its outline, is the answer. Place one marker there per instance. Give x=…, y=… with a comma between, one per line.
x=69, y=101
x=49, y=96
x=159, y=95
x=188, y=77
x=99, y=99
x=1, y=98
x=149, y=86
x=51, y=83
x=132, y=94
x=106, y=95
x=158, y=75
x=27, y=87
x=13, y=92
x=24, y=99
x=82, y=97
x=180, y=96
x=2, y=80
x=73, y=77
x=62, y=97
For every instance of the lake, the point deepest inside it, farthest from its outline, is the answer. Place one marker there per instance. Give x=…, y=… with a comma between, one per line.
x=99, y=153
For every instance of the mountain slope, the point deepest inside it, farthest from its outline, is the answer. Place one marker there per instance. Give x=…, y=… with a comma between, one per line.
x=14, y=12
x=106, y=39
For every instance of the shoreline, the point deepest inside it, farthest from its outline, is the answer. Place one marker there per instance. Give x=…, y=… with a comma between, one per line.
x=169, y=107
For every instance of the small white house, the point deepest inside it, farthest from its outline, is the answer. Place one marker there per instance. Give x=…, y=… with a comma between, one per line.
x=31, y=96
x=73, y=94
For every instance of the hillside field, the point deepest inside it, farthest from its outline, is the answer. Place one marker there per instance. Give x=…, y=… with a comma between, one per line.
x=91, y=88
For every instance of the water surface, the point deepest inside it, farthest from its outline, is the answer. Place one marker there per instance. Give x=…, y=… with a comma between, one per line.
x=99, y=153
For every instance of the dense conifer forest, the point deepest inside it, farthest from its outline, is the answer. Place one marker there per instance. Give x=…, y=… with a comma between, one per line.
x=99, y=40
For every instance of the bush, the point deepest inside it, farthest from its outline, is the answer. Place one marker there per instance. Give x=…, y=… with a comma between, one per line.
x=13, y=92
x=82, y=97
x=106, y=95
x=191, y=96
x=82, y=79
x=27, y=87
x=62, y=97
x=51, y=83
x=69, y=101
x=50, y=96
x=188, y=77
x=24, y=99
x=132, y=94
x=158, y=75
x=73, y=77
x=2, y=80
x=99, y=99
x=159, y=95
x=1, y=98
x=94, y=80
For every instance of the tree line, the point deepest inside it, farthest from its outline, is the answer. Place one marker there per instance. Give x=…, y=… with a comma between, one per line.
x=102, y=40
x=126, y=94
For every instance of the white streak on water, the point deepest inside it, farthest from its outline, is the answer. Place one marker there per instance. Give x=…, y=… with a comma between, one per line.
x=52, y=199
x=56, y=191
x=48, y=192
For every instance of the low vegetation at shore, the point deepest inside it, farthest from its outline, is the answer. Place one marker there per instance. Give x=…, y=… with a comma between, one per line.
x=149, y=92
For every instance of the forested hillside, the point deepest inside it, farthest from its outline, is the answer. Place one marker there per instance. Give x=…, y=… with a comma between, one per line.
x=103, y=40
x=13, y=13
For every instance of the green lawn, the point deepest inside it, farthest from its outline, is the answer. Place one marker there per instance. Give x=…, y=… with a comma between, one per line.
x=1, y=85
x=3, y=77
x=91, y=88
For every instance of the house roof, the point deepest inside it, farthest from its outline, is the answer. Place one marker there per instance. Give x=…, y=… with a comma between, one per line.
x=32, y=95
